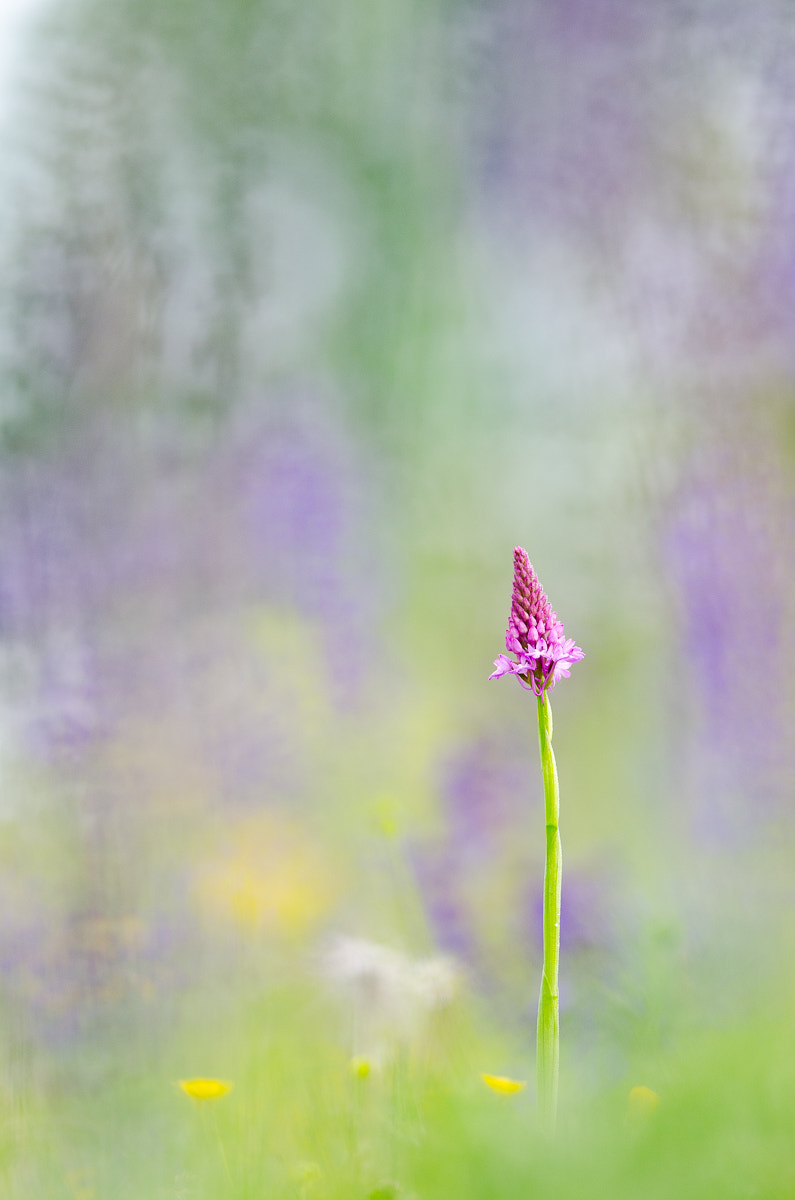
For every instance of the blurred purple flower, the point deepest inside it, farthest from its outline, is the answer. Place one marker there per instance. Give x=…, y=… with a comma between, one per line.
x=534, y=634
x=480, y=784
x=585, y=916
x=566, y=131
x=72, y=705
x=63, y=971
x=439, y=877
x=727, y=530
x=304, y=510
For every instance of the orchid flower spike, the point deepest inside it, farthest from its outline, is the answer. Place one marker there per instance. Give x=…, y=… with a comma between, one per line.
x=534, y=634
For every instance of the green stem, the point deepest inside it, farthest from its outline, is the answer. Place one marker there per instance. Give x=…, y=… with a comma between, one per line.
x=548, y=1035
x=213, y=1118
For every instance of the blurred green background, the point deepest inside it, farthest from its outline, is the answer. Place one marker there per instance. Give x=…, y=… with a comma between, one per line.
x=310, y=313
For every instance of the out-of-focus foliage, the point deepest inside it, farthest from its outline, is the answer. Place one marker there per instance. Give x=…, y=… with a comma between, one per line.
x=309, y=314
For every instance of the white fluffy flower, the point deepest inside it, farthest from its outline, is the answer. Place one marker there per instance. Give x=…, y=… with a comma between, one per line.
x=392, y=996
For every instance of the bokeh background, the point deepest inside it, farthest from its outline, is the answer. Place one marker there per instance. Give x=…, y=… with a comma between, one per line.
x=310, y=313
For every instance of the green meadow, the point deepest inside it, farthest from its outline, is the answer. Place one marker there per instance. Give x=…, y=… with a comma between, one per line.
x=310, y=314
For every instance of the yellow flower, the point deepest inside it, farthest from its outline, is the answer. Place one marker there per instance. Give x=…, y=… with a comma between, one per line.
x=360, y=1067
x=205, y=1089
x=642, y=1102
x=506, y=1087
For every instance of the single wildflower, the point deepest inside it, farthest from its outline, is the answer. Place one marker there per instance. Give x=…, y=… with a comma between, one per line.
x=543, y=657
x=503, y=1085
x=394, y=998
x=534, y=634
x=205, y=1089
x=360, y=1066
x=210, y=1089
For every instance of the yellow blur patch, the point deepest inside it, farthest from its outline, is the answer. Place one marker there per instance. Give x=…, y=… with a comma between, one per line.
x=360, y=1067
x=205, y=1089
x=506, y=1087
x=642, y=1102
x=385, y=813
x=271, y=877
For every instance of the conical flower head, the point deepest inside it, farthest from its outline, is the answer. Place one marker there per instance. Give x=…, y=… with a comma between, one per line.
x=534, y=634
